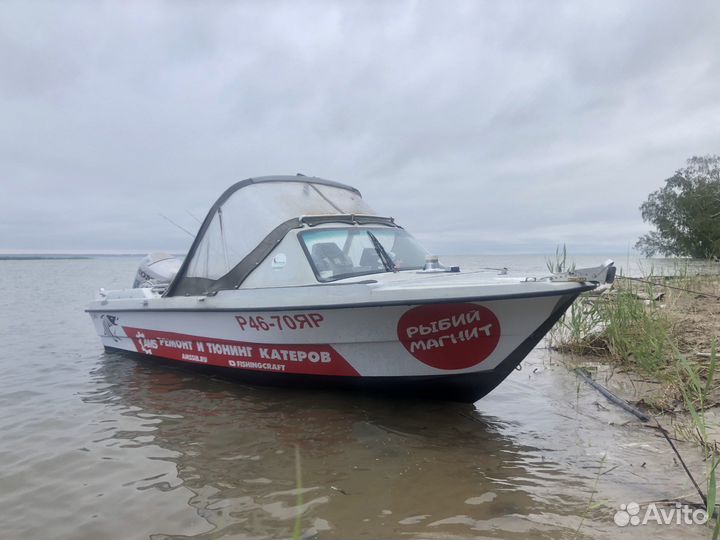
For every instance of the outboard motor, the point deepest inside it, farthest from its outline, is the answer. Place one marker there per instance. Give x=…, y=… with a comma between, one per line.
x=156, y=269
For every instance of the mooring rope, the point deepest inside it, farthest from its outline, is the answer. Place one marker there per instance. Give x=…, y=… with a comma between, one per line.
x=682, y=462
x=610, y=396
x=643, y=418
x=715, y=296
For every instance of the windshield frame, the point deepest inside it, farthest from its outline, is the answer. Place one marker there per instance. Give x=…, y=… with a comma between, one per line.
x=360, y=230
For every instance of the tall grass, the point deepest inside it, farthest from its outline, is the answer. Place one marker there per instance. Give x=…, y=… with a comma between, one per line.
x=297, y=529
x=560, y=262
x=621, y=326
x=696, y=393
x=634, y=331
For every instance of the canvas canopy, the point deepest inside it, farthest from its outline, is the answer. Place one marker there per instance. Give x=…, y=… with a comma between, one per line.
x=249, y=220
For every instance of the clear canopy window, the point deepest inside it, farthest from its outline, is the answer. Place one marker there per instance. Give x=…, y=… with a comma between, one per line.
x=250, y=215
x=246, y=222
x=355, y=251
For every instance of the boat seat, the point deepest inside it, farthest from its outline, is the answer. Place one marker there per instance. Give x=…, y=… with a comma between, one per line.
x=370, y=259
x=328, y=256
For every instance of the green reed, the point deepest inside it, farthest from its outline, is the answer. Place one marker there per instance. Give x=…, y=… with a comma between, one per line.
x=623, y=326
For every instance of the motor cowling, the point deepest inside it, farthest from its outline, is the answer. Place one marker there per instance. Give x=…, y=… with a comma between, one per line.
x=156, y=269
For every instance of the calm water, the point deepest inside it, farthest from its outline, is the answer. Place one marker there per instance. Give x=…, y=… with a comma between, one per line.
x=97, y=445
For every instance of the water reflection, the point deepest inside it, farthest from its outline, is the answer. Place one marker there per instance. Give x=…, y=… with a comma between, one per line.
x=370, y=467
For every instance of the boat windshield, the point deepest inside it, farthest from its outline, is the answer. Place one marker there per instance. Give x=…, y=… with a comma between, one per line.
x=337, y=253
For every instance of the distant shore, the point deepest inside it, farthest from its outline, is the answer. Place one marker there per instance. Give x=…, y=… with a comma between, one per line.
x=37, y=257
x=69, y=256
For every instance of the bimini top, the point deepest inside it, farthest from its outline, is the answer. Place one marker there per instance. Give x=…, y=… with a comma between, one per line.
x=249, y=220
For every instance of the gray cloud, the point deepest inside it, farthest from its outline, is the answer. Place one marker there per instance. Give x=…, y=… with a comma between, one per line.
x=482, y=127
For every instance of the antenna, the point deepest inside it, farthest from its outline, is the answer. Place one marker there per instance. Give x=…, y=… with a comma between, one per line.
x=178, y=226
x=193, y=216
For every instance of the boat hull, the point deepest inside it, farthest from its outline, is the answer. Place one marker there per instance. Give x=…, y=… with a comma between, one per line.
x=458, y=351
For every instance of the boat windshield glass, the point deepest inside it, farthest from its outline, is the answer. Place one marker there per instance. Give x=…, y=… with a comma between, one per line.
x=337, y=253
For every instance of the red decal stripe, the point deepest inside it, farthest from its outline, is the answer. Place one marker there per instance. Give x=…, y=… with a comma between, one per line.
x=304, y=359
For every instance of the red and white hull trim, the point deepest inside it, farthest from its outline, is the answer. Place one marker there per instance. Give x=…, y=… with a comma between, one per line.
x=457, y=350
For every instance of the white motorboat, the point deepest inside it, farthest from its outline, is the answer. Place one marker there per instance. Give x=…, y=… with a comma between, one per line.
x=293, y=280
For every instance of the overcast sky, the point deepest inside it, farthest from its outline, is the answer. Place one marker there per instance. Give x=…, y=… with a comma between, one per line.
x=482, y=127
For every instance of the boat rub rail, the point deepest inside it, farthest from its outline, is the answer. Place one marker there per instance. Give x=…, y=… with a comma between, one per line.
x=486, y=298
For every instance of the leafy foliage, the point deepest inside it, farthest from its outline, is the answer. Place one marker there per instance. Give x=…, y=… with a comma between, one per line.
x=685, y=212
